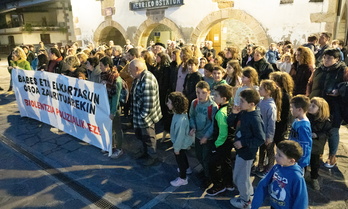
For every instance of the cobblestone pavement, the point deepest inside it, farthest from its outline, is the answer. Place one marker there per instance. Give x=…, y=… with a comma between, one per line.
x=44, y=168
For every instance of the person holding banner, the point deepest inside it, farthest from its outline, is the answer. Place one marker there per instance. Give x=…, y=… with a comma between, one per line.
x=19, y=61
x=110, y=77
x=146, y=109
x=56, y=63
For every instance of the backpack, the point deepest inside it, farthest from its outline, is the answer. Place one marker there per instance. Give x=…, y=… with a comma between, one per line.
x=124, y=95
x=210, y=109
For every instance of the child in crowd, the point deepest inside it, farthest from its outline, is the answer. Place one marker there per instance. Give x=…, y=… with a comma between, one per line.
x=270, y=107
x=192, y=78
x=202, y=111
x=202, y=62
x=218, y=75
x=249, y=136
x=284, y=184
x=285, y=82
x=312, y=42
x=285, y=63
x=220, y=163
x=179, y=134
x=208, y=74
x=318, y=115
x=234, y=73
x=250, y=79
x=272, y=55
x=301, y=131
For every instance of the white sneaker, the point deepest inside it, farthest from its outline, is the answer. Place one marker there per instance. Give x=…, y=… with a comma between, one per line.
x=179, y=182
x=328, y=165
x=116, y=154
x=239, y=203
x=188, y=171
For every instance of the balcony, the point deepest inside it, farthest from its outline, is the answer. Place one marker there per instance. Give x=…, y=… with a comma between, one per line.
x=30, y=27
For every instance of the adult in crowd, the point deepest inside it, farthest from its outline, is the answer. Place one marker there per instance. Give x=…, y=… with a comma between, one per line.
x=174, y=67
x=42, y=61
x=302, y=69
x=185, y=55
x=93, y=69
x=83, y=61
x=324, y=43
x=158, y=48
x=18, y=61
x=323, y=83
x=118, y=60
x=231, y=53
x=41, y=47
x=113, y=82
x=149, y=58
x=74, y=66
x=209, y=48
x=30, y=56
x=125, y=74
x=146, y=109
x=248, y=55
x=162, y=73
x=260, y=64
x=55, y=65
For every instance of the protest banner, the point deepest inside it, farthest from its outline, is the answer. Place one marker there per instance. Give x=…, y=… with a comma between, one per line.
x=75, y=106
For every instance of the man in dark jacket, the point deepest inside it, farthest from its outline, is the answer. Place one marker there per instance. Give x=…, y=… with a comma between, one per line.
x=324, y=41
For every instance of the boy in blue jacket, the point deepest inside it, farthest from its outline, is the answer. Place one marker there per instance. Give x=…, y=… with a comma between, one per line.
x=249, y=136
x=301, y=131
x=284, y=184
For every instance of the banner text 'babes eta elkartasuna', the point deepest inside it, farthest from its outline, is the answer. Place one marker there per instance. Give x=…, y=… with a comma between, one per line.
x=78, y=107
x=55, y=90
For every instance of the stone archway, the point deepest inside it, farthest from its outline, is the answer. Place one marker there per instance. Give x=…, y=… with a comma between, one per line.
x=107, y=25
x=144, y=30
x=200, y=32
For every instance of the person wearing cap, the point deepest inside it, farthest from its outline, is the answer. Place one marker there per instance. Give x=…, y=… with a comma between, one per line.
x=159, y=47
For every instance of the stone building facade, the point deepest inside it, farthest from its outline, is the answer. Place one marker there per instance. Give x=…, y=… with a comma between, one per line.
x=225, y=22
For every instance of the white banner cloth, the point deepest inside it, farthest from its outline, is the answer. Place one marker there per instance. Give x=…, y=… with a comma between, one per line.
x=75, y=106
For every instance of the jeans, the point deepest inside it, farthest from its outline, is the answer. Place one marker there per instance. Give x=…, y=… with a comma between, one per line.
x=148, y=137
x=117, y=133
x=334, y=140
x=203, y=153
x=315, y=165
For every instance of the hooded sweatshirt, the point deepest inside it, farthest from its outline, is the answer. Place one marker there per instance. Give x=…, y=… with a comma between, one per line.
x=202, y=119
x=285, y=187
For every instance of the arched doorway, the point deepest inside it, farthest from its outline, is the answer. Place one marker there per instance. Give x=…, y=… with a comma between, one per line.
x=229, y=27
x=167, y=30
x=161, y=33
x=111, y=34
x=110, y=30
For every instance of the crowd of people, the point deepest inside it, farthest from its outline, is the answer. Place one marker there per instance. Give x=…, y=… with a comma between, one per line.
x=283, y=104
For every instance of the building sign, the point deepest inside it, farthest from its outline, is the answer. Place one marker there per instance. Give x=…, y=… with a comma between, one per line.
x=153, y=4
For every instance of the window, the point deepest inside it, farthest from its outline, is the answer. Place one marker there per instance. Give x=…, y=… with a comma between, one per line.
x=286, y=1
x=45, y=38
x=11, y=41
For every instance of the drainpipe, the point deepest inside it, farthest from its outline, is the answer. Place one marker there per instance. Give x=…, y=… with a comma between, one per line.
x=346, y=37
x=338, y=17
